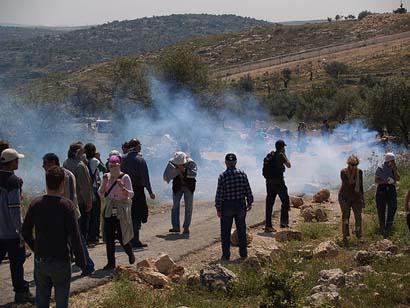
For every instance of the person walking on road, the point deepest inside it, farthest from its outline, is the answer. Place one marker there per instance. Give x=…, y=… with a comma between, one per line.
x=182, y=170
x=386, y=195
x=116, y=188
x=11, y=237
x=233, y=199
x=351, y=196
x=51, y=160
x=273, y=170
x=54, y=220
x=135, y=166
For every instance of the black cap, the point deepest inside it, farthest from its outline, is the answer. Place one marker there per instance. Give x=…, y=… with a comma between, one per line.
x=280, y=144
x=230, y=157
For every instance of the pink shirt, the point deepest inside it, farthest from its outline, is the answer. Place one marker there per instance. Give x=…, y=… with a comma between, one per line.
x=117, y=193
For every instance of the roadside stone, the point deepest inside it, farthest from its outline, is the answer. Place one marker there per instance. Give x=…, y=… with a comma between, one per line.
x=364, y=257
x=253, y=263
x=384, y=245
x=333, y=276
x=322, y=196
x=234, y=237
x=177, y=272
x=307, y=214
x=288, y=235
x=164, y=264
x=297, y=202
x=324, y=298
x=146, y=263
x=127, y=270
x=324, y=288
x=193, y=279
x=320, y=215
x=326, y=249
x=217, y=277
x=154, y=278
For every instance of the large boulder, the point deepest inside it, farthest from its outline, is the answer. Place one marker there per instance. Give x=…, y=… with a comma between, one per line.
x=288, y=235
x=154, y=278
x=326, y=249
x=217, y=277
x=297, y=202
x=384, y=245
x=333, y=276
x=164, y=264
x=321, y=196
x=234, y=237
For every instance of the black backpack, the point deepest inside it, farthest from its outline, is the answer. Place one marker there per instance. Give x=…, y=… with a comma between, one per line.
x=271, y=168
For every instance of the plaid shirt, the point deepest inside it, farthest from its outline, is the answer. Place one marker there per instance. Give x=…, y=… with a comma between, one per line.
x=233, y=184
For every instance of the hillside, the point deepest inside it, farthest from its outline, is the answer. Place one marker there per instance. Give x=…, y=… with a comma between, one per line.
x=12, y=33
x=72, y=50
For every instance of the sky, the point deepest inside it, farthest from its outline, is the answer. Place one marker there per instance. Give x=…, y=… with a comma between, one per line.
x=92, y=12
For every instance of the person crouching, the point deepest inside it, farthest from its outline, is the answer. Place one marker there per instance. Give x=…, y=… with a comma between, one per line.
x=117, y=190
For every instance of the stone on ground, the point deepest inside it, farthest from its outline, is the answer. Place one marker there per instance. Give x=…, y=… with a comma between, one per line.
x=322, y=196
x=217, y=277
x=297, y=202
x=288, y=235
x=333, y=276
x=384, y=245
x=164, y=264
x=326, y=249
x=152, y=277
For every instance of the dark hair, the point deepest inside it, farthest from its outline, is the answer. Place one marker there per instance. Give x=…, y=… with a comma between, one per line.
x=54, y=177
x=51, y=157
x=133, y=143
x=4, y=144
x=74, y=147
x=125, y=145
x=280, y=144
x=90, y=150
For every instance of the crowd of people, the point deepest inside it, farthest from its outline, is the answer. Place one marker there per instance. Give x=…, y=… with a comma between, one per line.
x=61, y=225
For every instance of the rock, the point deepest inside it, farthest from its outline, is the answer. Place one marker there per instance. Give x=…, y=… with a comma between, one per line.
x=193, y=279
x=384, y=245
x=288, y=235
x=217, y=277
x=307, y=214
x=364, y=257
x=382, y=255
x=253, y=263
x=320, y=215
x=297, y=202
x=353, y=278
x=305, y=253
x=333, y=276
x=326, y=249
x=177, y=272
x=367, y=269
x=164, y=264
x=154, y=278
x=126, y=270
x=234, y=237
x=324, y=299
x=263, y=255
x=146, y=263
x=322, y=196
x=324, y=288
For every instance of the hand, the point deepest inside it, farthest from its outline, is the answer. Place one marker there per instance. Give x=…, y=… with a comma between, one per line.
x=249, y=207
x=219, y=213
x=105, y=177
x=89, y=206
x=181, y=168
x=152, y=196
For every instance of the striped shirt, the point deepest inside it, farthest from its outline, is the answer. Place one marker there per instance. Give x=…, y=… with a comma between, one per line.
x=233, y=184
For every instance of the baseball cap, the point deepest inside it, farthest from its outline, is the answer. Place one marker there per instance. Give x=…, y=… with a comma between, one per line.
x=280, y=144
x=389, y=157
x=113, y=160
x=230, y=157
x=180, y=158
x=114, y=152
x=10, y=154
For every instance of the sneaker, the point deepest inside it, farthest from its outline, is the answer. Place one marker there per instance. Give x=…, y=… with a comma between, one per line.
x=24, y=297
x=174, y=230
x=131, y=258
x=87, y=271
x=186, y=231
x=225, y=259
x=139, y=245
x=269, y=230
x=109, y=267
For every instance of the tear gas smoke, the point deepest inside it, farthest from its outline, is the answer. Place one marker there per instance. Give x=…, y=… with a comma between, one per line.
x=177, y=122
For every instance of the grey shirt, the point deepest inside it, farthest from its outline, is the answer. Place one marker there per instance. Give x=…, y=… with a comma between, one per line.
x=384, y=172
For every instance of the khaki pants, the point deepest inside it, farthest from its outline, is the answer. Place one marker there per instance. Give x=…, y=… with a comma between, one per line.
x=357, y=206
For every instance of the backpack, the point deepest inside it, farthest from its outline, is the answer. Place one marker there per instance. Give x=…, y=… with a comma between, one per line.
x=271, y=168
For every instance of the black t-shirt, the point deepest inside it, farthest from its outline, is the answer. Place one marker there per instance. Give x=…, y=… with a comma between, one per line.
x=280, y=160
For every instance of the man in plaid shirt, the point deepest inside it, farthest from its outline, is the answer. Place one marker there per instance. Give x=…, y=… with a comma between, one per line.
x=233, y=188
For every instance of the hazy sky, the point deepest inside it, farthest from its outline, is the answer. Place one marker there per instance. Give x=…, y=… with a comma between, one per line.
x=87, y=12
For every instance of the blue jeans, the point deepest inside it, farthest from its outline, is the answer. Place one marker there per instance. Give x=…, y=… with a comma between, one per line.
x=386, y=195
x=188, y=200
x=48, y=273
x=233, y=210
x=17, y=256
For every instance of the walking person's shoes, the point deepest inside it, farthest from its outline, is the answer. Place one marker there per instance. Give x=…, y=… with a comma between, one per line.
x=186, y=231
x=131, y=258
x=24, y=297
x=174, y=230
x=224, y=259
x=87, y=271
x=139, y=244
x=285, y=226
x=108, y=267
x=269, y=230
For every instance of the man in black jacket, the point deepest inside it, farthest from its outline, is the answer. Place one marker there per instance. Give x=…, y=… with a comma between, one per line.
x=182, y=171
x=135, y=166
